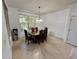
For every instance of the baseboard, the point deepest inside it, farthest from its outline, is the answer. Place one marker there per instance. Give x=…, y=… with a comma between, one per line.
x=71, y=44
x=55, y=36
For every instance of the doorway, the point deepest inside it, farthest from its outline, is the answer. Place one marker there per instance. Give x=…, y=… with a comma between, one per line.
x=72, y=33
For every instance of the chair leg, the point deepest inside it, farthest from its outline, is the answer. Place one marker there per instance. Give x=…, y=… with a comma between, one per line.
x=25, y=40
x=46, y=38
x=38, y=42
x=28, y=41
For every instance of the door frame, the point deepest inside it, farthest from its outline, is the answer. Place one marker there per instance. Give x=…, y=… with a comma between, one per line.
x=69, y=28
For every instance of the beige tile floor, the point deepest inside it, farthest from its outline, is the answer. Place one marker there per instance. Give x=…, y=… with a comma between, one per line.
x=54, y=48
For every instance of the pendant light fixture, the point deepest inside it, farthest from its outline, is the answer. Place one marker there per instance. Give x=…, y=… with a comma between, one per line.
x=39, y=17
x=39, y=12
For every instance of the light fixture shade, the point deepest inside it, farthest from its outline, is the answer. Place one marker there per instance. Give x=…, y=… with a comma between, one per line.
x=39, y=20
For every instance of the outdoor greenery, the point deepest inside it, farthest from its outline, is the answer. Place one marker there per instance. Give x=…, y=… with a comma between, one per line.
x=27, y=22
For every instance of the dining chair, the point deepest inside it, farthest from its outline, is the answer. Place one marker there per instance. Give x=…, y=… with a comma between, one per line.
x=37, y=39
x=40, y=38
x=45, y=33
x=33, y=29
x=36, y=29
x=27, y=37
x=14, y=33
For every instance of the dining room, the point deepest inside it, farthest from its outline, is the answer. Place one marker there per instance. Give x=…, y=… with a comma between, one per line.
x=42, y=29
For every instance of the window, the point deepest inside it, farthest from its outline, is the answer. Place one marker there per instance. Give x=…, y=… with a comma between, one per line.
x=27, y=22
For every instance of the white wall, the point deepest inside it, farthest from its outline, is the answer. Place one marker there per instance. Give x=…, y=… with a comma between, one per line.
x=6, y=48
x=73, y=10
x=58, y=22
x=14, y=18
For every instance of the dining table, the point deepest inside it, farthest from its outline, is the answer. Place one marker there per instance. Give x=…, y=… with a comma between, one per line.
x=34, y=35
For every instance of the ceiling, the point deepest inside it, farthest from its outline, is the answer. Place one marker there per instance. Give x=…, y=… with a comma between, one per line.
x=46, y=5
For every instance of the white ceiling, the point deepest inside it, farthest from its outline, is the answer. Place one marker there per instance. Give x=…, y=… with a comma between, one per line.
x=46, y=5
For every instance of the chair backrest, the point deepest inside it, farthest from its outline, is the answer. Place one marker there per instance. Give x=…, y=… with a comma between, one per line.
x=36, y=29
x=33, y=29
x=15, y=31
x=41, y=33
x=45, y=32
x=25, y=31
x=46, y=28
